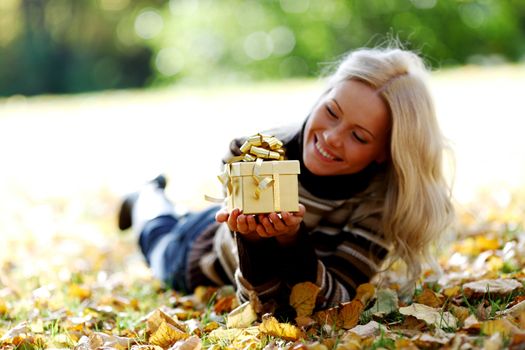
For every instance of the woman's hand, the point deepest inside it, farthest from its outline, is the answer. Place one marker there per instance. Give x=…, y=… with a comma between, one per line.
x=238, y=222
x=283, y=227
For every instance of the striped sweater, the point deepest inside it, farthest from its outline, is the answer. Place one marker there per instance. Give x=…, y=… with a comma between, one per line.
x=340, y=242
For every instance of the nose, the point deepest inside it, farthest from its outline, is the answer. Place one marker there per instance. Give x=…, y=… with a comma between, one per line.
x=333, y=138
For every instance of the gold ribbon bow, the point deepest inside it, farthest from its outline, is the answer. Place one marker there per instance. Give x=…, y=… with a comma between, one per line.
x=256, y=148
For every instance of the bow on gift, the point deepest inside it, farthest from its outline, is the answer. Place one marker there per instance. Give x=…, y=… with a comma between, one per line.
x=256, y=149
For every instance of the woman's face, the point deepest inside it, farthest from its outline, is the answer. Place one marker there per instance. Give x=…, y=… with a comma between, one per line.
x=347, y=130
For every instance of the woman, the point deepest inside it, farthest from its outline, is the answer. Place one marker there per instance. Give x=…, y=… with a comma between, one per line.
x=371, y=190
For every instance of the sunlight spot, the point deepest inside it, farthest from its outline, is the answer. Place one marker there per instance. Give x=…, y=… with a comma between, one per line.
x=113, y=5
x=295, y=6
x=169, y=61
x=424, y=4
x=148, y=24
x=283, y=39
x=472, y=15
x=258, y=45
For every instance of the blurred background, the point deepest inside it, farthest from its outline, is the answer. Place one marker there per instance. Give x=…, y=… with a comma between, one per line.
x=98, y=96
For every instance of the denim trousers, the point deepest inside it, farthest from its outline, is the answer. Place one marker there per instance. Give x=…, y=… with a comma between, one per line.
x=166, y=241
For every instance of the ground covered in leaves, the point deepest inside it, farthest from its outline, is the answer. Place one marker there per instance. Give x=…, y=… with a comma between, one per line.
x=87, y=290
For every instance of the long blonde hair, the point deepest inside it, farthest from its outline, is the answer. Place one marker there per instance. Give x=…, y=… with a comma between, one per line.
x=417, y=207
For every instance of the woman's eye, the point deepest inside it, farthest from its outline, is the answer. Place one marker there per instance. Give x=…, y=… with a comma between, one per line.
x=331, y=112
x=359, y=138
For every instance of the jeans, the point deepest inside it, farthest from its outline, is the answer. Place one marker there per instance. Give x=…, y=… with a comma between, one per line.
x=166, y=241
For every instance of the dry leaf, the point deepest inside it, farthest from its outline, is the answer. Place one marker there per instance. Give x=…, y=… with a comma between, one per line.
x=243, y=316
x=386, y=302
x=437, y=317
x=460, y=312
x=102, y=340
x=79, y=292
x=234, y=335
x=370, y=329
x=192, y=343
x=156, y=318
x=502, y=326
x=452, y=291
x=430, y=298
x=495, y=342
x=303, y=298
x=271, y=326
x=349, y=313
x=225, y=304
x=166, y=334
x=492, y=286
x=365, y=292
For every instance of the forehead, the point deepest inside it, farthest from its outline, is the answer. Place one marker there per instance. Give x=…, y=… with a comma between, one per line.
x=361, y=103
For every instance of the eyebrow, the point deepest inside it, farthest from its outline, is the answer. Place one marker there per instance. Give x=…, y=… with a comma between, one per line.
x=359, y=126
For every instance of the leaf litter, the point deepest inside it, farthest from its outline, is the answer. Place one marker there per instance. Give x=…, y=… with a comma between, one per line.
x=99, y=294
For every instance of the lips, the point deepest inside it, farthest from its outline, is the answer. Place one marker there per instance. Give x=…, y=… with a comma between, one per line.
x=324, y=152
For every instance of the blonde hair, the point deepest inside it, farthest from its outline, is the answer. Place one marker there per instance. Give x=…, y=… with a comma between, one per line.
x=417, y=207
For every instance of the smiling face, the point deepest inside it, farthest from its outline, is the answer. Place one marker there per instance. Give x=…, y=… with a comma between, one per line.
x=347, y=130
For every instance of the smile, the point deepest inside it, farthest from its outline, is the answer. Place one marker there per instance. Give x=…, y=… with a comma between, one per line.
x=324, y=152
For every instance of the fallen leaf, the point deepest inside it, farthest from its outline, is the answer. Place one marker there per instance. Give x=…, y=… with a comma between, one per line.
x=166, y=335
x=370, y=329
x=430, y=298
x=492, y=286
x=460, y=312
x=79, y=292
x=225, y=304
x=349, y=314
x=495, y=342
x=192, y=343
x=386, y=302
x=158, y=317
x=242, y=316
x=233, y=335
x=365, y=292
x=434, y=316
x=502, y=326
x=98, y=340
x=287, y=331
x=303, y=298
x=452, y=291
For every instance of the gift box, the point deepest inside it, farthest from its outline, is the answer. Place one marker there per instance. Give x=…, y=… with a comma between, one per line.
x=263, y=187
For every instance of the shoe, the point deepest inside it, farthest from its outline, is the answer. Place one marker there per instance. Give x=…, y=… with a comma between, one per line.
x=124, y=214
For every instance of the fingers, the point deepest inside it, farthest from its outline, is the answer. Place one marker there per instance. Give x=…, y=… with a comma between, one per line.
x=222, y=215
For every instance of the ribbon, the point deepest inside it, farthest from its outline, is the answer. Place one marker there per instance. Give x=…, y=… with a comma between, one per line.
x=256, y=148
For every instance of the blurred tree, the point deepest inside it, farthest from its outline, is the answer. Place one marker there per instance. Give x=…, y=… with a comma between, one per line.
x=59, y=46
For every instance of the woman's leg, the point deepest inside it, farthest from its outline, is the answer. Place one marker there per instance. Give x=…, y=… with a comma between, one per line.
x=165, y=237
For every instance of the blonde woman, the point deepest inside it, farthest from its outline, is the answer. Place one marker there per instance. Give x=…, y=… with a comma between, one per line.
x=371, y=190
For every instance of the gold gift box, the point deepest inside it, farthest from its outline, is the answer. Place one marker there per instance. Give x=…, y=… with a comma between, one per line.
x=282, y=194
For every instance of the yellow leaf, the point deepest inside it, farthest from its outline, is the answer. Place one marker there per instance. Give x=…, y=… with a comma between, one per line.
x=502, y=326
x=192, y=343
x=156, y=318
x=452, y=291
x=437, y=317
x=483, y=243
x=430, y=298
x=365, y=292
x=3, y=307
x=303, y=298
x=79, y=292
x=349, y=314
x=271, y=326
x=242, y=317
x=166, y=334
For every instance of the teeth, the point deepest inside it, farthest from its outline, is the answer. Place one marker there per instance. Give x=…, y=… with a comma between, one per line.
x=323, y=152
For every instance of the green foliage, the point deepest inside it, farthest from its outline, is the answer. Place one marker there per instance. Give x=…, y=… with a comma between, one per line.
x=56, y=46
